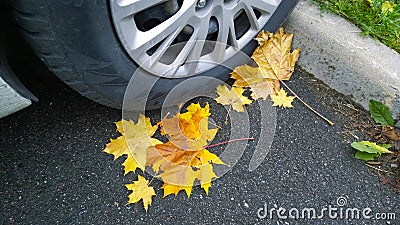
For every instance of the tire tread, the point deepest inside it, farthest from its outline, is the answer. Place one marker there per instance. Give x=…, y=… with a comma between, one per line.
x=35, y=25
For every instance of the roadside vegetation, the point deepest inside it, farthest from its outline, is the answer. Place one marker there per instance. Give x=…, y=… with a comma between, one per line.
x=385, y=139
x=379, y=19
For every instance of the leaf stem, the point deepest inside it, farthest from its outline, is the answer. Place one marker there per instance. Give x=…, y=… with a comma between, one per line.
x=148, y=184
x=307, y=105
x=380, y=170
x=165, y=117
x=227, y=142
x=228, y=114
x=216, y=125
x=301, y=100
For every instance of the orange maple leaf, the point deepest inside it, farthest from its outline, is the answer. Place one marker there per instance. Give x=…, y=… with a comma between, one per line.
x=179, y=168
x=183, y=159
x=189, y=130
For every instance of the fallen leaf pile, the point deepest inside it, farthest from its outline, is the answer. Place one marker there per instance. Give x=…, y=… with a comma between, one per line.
x=183, y=160
x=179, y=162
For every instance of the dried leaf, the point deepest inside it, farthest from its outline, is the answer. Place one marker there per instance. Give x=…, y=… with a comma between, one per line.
x=385, y=179
x=188, y=122
x=130, y=164
x=275, y=64
x=233, y=97
x=141, y=191
x=117, y=147
x=274, y=57
x=262, y=37
x=390, y=133
x=183, y=159
x=252, y=77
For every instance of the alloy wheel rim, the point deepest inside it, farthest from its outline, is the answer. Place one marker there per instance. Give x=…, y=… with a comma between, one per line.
x=164, y=37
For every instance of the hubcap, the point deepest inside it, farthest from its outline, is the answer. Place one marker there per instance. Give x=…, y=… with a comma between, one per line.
x=163, y=34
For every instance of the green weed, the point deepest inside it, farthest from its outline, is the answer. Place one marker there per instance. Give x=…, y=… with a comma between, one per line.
x=377, y=18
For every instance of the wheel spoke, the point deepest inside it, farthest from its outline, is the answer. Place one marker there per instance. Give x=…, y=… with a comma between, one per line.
x=162, y=48
x=225, y=33
x=255, y=24
x=232, y=35
x=264, y=5
x=184, y=53
x=200, y=36
x=144, y=41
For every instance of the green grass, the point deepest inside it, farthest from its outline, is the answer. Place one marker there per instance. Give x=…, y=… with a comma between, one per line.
x=370, y=18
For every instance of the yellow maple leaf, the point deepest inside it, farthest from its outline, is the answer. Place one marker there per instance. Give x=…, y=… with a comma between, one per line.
x=181, y=167
x=264, y=66
x=233, y=97
x=275, y=63
x=141, y=191
x=190, y=120
x=204, y=173
x=282, y=100
x=253, y=78
x=133, y=143
x=262, y=37
x=118, y=147
x=130, y=164
x=274, y=57
x=189, y=130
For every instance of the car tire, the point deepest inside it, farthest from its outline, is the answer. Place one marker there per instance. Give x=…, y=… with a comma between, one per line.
x=78, y=41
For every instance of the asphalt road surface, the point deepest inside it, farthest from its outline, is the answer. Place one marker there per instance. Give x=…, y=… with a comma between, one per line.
x=53, y=170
